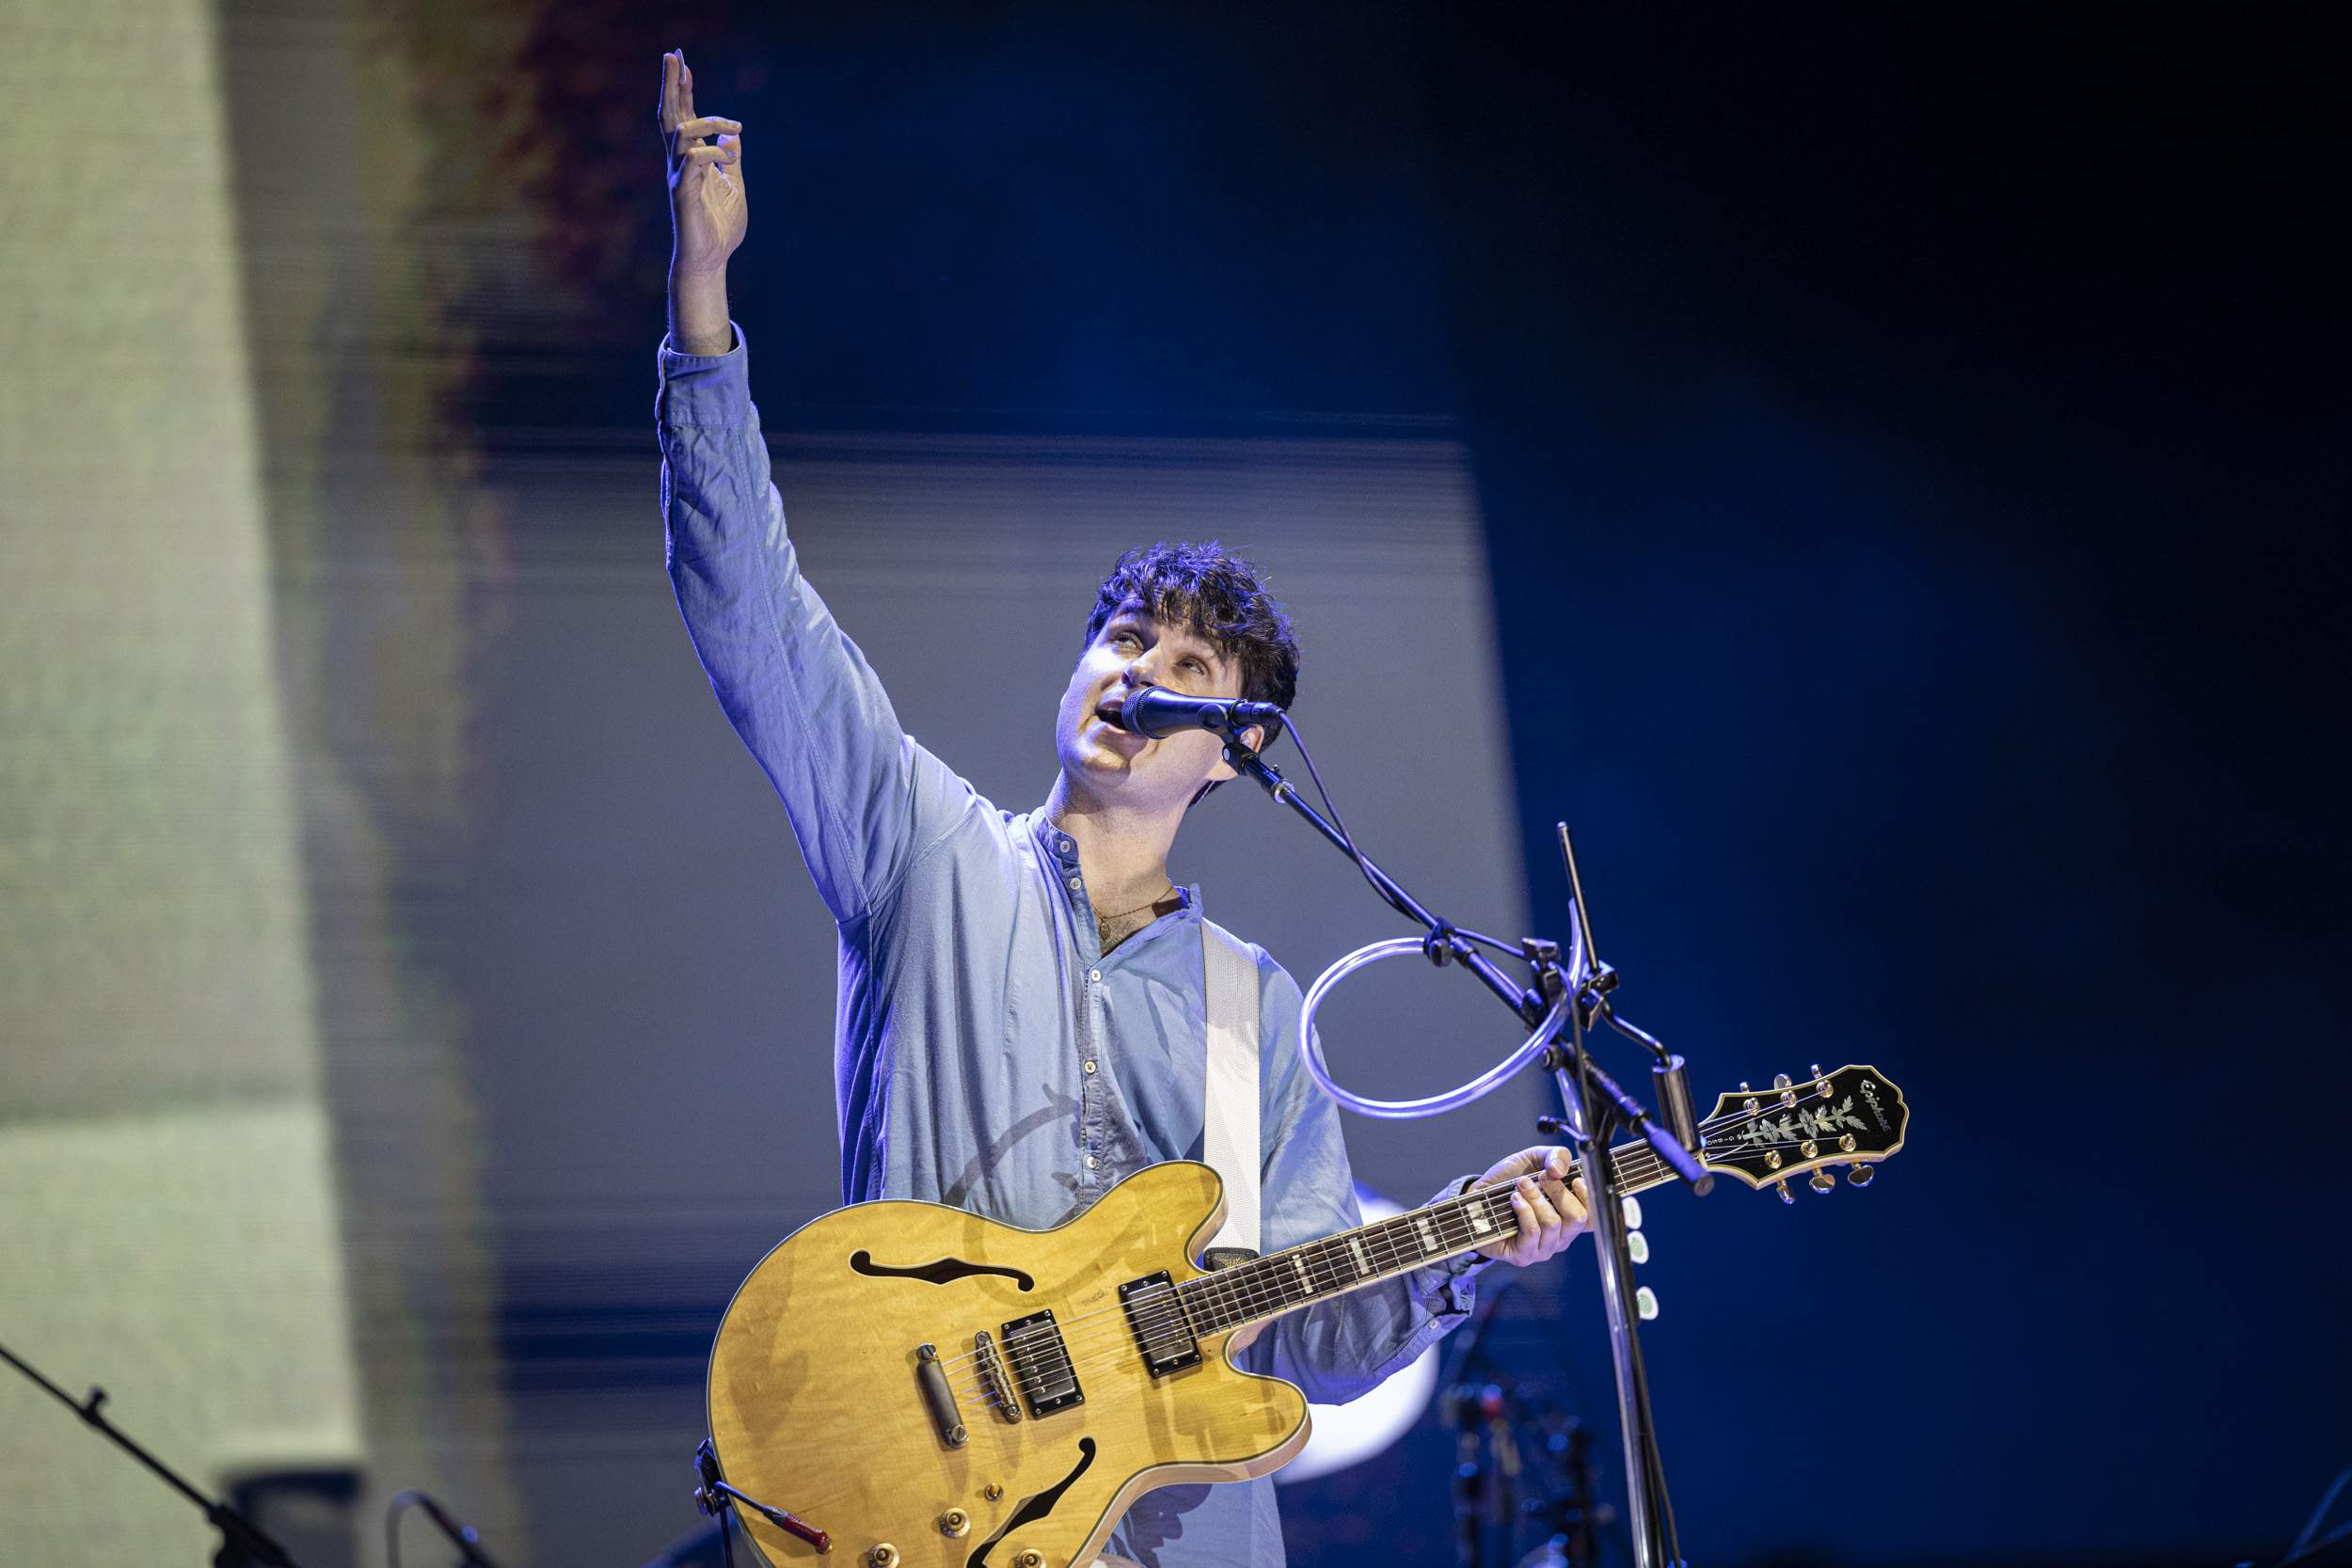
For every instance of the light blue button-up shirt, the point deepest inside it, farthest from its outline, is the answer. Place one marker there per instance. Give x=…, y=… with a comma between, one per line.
x=988, y=1054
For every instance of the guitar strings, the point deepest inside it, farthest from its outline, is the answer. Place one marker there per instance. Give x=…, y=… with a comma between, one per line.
x=1220, y=1295
x=1091, y=1350
x=1248, y=1286
x=1265, y=1296
x=1259, y=1296
x=1253, y=1297
x=1100, y=1345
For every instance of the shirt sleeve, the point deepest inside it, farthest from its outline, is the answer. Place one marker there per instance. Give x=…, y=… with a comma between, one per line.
x=1339, y=1348
x=864, y=799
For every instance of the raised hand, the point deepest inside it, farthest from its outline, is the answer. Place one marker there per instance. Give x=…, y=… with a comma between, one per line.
x=707, y=212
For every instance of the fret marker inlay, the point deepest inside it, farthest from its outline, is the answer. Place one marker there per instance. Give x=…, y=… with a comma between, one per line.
x=1363, y=1264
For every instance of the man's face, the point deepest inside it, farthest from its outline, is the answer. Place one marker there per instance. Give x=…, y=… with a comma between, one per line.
x=1105, y=762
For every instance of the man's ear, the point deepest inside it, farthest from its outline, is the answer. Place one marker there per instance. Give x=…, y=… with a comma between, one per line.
x=1253, y=738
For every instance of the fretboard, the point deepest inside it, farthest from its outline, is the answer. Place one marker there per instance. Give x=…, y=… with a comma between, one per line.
x=1299, y=1277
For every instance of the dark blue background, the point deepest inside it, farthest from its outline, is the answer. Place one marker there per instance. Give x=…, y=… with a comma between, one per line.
x=1913, y=457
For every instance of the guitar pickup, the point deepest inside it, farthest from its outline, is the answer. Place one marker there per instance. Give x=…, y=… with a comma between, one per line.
x=1040, y=1364
x=1162, y=1332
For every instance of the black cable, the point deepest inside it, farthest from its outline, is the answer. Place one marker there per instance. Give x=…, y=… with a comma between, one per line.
x=1338, y=822
x=1364, y=864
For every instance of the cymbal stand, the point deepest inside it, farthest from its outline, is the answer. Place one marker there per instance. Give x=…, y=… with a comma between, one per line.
x=243, y=1543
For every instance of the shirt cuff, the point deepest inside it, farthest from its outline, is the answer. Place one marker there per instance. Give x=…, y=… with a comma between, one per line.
x=703, y=389
x=1452, y=1282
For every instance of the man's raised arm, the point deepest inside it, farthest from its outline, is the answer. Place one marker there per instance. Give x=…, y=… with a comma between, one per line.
x=861, y=795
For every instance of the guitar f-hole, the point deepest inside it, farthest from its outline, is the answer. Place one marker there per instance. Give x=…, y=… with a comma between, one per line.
x=940, y=1271
x=1038, y=1507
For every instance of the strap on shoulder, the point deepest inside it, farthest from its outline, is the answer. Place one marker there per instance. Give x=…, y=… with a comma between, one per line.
x=1230, y=1111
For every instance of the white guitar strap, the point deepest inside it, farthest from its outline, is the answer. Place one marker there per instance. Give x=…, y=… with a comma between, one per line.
x=1230, y=1111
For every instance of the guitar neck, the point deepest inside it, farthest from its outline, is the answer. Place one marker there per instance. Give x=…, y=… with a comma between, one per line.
x=1284, y=1282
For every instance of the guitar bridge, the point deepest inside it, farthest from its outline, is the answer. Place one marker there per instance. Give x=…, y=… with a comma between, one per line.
x=993, y=1380
x=1040, y=1364
x=1156, y=1316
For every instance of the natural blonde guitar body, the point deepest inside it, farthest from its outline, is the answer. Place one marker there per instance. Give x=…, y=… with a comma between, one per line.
x=816, y=1405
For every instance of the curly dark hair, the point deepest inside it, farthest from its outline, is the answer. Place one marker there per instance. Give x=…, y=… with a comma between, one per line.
x=1220, y=597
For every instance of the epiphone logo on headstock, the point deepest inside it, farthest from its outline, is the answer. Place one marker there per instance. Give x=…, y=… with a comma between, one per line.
x=1870, y=1094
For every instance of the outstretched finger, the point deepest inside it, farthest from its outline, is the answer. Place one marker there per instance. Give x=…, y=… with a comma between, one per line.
x=665, y=111
x=685, y=88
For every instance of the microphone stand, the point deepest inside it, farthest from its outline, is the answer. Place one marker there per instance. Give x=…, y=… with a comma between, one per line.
x=1593, y=1103
x=243, y=1543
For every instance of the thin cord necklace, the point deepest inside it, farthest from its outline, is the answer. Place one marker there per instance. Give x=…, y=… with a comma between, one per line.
x=1106, y=919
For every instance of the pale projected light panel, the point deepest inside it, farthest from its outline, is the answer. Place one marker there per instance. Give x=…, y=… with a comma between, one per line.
x=169, y=1219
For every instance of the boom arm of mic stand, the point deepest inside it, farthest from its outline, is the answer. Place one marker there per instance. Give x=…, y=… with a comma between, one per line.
x=1528, y=1003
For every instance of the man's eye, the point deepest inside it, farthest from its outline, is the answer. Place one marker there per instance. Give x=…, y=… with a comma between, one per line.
x=1195, y=666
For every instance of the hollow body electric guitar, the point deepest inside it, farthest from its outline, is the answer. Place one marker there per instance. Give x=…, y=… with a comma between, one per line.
x=907, y=1384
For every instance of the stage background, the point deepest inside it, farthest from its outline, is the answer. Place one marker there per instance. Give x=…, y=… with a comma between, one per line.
x=1882, y=480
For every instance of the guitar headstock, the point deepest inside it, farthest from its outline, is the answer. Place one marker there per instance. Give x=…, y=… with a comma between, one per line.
x=1853, y=1117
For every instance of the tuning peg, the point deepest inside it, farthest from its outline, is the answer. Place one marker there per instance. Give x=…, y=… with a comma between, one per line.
x=1860, y=1174
x=1781, y=1187
x=1780, y=1080
x=1743, y=1086
x=1632, y=1207
x=1817, y=1072
x=1822, y=1182
x=1637, y=1247
x=1645, y=1302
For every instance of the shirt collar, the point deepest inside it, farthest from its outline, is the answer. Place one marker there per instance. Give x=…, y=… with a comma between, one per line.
x=1058, y=852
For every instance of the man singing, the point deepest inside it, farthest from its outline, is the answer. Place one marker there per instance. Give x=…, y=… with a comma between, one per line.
x=1025, y=1003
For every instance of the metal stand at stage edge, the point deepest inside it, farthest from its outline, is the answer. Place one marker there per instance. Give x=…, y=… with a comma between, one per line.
x=243, y=1543
x=1571, y=995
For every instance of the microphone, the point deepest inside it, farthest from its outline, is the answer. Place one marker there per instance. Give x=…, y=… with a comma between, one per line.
x=1157, y=712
